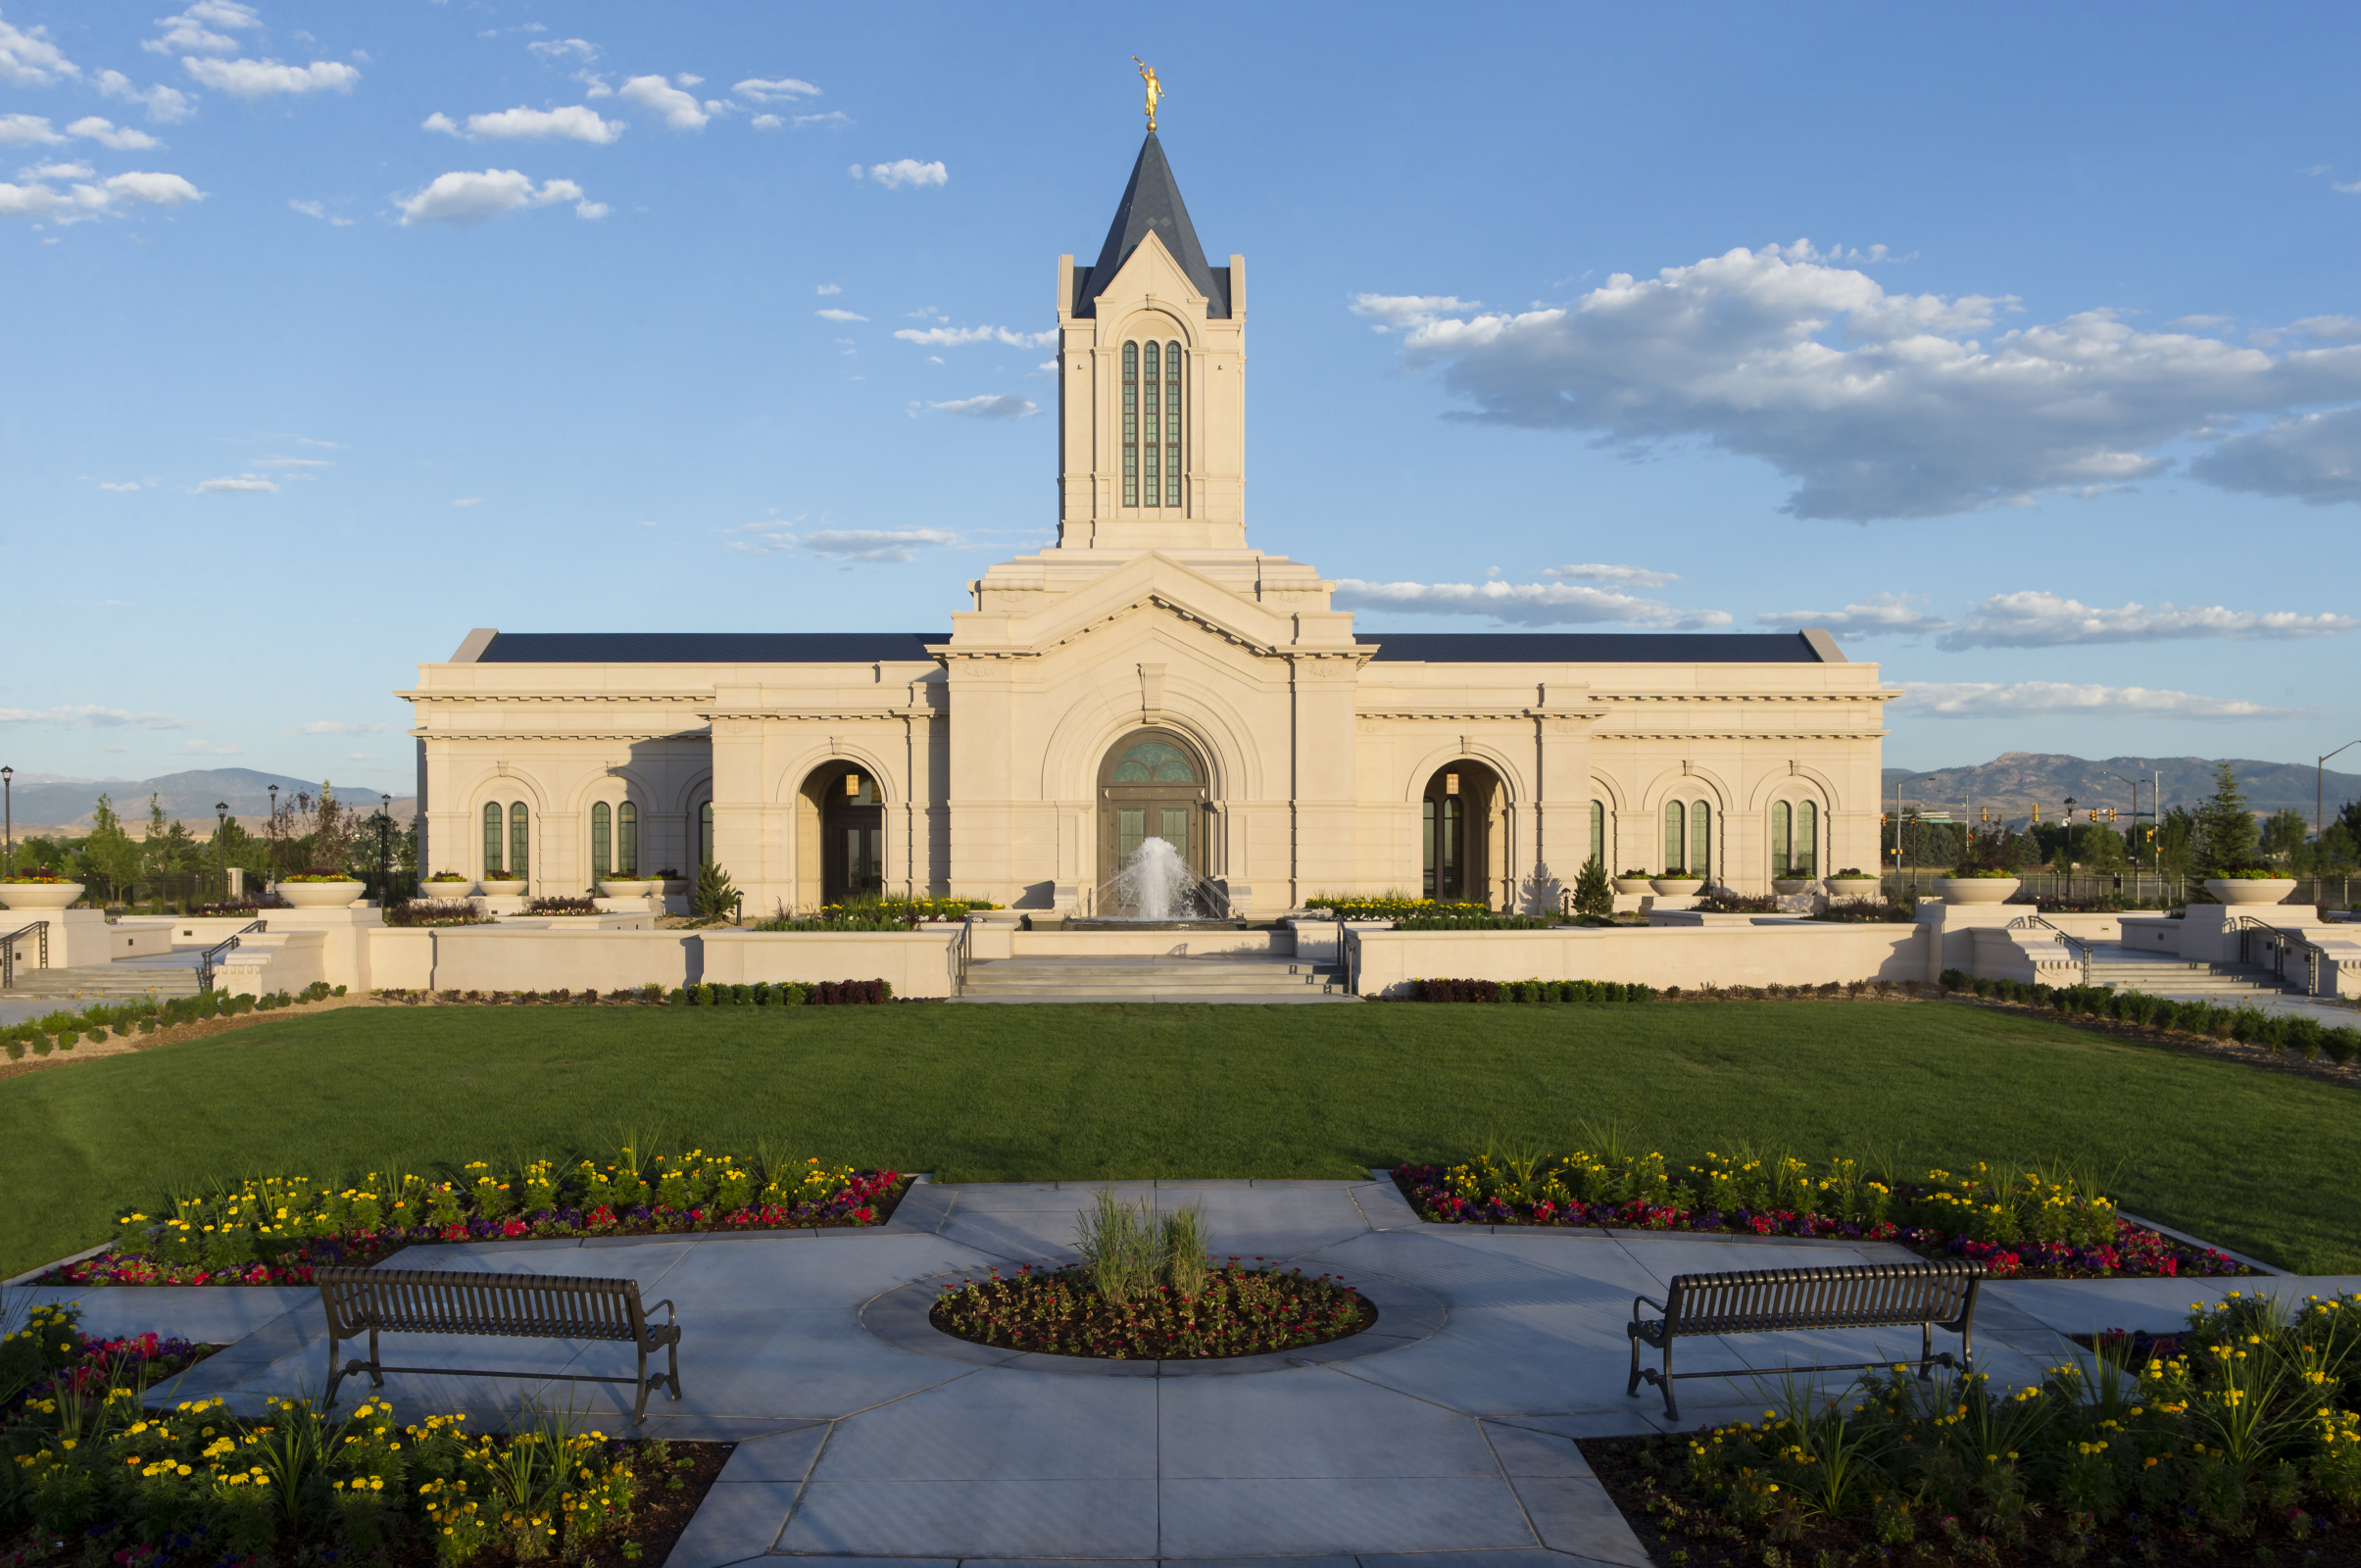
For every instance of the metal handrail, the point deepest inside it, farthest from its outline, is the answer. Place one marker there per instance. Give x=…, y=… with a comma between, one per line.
x=205, y=960
x=2280, y=939
x=2079, y=945
x=1349, y=957
x=963, y=954
x=7, y=951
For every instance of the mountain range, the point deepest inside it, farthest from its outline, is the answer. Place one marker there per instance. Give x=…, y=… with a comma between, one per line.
x=188, y=797
x=2015, y=782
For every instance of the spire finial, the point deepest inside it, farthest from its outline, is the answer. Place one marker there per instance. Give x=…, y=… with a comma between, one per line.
x=1155, y=89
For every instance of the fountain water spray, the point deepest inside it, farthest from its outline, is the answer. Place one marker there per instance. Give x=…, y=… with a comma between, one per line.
x=1155, y=884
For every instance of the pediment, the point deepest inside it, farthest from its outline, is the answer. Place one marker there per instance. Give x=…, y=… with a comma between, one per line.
x=1149, y=584
x=1150, y=274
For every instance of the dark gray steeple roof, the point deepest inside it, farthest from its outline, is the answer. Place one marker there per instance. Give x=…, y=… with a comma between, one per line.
x=1151, y=202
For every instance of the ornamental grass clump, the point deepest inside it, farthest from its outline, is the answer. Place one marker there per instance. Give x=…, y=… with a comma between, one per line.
x=2237, y=1439
x=87, y=1459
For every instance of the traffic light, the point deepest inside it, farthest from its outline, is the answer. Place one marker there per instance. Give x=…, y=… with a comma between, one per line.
x=2110, y=813
x=2036, y=814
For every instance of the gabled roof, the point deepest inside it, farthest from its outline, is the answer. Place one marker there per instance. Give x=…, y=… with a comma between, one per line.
x=709, y=648
x=1151, y=204
x=1592, y=648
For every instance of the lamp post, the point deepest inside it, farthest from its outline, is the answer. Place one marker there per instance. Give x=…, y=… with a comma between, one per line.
x=2320, y=773
x=8, y=810
x=385, y=849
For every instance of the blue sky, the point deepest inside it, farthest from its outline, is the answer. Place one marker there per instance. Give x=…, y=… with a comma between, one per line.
x=2020, y=344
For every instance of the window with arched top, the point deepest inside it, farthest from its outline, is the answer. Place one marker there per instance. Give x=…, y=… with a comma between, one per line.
x=1599, y=831
x=521, y=841
x=705, y=833
x=1151, y=425
x=495, y=838
x=1688, y=837
x=1154, y=763
x=602, y=841
x=1794, y=839
x=626, y=839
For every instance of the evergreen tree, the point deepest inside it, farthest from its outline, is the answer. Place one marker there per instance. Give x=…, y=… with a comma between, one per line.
x=715, y=894
x=109, y=853
x=2225, y=836
x=1594, y=894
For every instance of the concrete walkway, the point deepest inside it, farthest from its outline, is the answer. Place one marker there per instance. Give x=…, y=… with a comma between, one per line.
x=1445, y=1430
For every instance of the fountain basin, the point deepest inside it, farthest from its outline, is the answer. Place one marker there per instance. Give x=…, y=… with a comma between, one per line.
x=1101, y=923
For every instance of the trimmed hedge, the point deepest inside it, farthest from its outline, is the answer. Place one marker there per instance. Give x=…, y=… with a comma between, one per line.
x=2280, y=1031
x=786, y=993
x=1592, y=993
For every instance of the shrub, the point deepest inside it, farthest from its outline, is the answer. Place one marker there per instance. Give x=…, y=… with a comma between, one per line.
x=560, y=907
x=436, y=911
x=1728, y=902
x=1594, y=893
x=1562, y=992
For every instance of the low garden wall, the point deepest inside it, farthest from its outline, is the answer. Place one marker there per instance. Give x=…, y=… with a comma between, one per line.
x=490, y=958
x=915, y=964
x=1802, y=952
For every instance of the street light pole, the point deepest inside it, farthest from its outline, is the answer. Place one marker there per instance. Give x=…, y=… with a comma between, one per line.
x=384, y=849
x=8, y=810
x=2320, y=773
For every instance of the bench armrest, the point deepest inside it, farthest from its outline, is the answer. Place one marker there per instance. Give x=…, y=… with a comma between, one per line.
x=1650, y=1301
x=666, y=1305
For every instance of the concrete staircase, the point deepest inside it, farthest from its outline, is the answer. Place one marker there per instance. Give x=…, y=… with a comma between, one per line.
x=1215, y=977
x=103, y=982
x=2158, y=975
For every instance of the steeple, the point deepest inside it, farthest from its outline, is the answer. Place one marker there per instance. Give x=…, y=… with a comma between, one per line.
x=1151, y=204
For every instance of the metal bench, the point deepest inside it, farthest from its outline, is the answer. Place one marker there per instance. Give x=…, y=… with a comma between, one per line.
x=532, y=1306
x=1932, y=1296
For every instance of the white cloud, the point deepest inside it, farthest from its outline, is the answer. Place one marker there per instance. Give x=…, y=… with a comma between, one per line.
x=106, y=133
x=1392, y=312
x=1984, y=699
x=1004, y=406
x=765, y=122
x=555, y=49
x=161, y=190
x=166, y=106
x=83, y=202
x=904, y=172
x=573, y=122
x=833, y=314
x=192, y=29
x=89, y=715
x=2315, y=457
x=1876, y=405
x=1595, y=571
x=1527, y=604
x=38, y=203
x=27, y=130
x=57, y=171
x=464, y=502
x=837, y=120
x=955, y=336
x=235, y=487
x=786, y=89
x=763, y=538
x=827, y=289
x=678, y=108
x=463, y=196
x=28, y=59
x=871, y=544
x=2036, y=619
x=295, y=463
x=127, y=488
x=259, y=79
x=320, y=211
x=1881, y=615
x=335, y=726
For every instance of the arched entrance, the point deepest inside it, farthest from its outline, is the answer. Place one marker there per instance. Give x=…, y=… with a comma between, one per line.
x=840, y=841
x=1461, y=829
x=1152, y=784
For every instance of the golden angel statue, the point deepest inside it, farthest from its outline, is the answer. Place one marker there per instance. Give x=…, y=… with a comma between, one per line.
x=1155, y=89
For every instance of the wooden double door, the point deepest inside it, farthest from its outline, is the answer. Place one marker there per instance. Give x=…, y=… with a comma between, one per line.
x=1152, y=785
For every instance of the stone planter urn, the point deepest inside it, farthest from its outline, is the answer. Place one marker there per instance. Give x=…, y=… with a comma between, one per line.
x=1676, y=887
x=444, y=891
x=58, y=895
x=1633, y=886
x=1980, y=889
x=628, y=887
x=502, y=887
x=2228, y=890
x=1853, y=887
x=322, y=895
x=1787, y=887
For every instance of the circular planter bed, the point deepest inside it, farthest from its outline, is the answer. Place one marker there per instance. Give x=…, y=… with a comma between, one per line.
x=2228, y=890
x=322, y=895
x=40, y=895
x=1977, y=889
x=1239, y=1311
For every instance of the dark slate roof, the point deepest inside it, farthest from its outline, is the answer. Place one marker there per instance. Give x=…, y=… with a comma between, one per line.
x=1151, y=201
x=1592, y=648
x=711, y=647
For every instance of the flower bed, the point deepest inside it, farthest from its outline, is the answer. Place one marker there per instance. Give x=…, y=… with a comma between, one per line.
x=87, y=1461
x=1236, y=1310
x=2018, y=1226
x=1337, y=909
x=276, y=1230
x=2243, y=1446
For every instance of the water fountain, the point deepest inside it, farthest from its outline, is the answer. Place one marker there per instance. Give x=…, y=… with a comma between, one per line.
x=1156, y=891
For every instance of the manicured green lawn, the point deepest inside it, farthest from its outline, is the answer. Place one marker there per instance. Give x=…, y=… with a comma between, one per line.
x=2262, y=1162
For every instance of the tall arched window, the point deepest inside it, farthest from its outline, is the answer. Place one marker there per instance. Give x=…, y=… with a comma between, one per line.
x=1794, y=839
x=1172, y=425
x=705, y=834
x=493, y=838
x=1807, y=839
x=1782, y=837
x=602, y=841
x=1676, y=836
x=1131, y=425
x=521, y=841
x=1688, y=837
x=1152, y=489
x=1700, y=840
x=627, y=846
x=1599, y=831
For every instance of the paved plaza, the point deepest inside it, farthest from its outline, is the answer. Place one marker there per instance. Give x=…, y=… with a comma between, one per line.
x=1441, y=1436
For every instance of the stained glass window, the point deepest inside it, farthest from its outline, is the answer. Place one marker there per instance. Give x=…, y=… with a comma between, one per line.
x=1176, y=827
x=705, y=833
x=1130, y=828
x=1154, y=762
x=602, y=841
x=520, y=839
x=1700, y=840
x=1782, y=840
x=626, y=847
x=492, y=838
x=1172, y=422
x=1676, y=837
x=1599, y=831
x=1807, y=839
x=1152, y=492
x=1131, y=425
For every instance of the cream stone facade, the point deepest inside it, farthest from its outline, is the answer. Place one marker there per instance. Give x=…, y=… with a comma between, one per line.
x=1150, y=675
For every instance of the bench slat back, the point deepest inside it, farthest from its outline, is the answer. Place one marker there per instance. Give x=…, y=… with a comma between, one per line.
x=1861, y=1296
x=418, y=1301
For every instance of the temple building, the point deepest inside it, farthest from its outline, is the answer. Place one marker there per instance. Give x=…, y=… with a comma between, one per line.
x=1153, y=674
